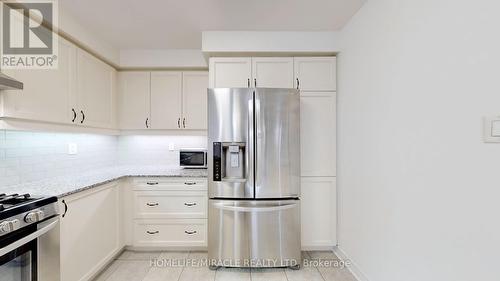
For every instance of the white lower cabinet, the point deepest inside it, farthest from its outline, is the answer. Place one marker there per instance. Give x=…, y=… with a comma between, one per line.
x=90, y=231
x=318, y=212
x=169, y=213
x=171, y=204
x=170, y=233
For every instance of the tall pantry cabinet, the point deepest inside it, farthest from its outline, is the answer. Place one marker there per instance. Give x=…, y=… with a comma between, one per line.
x=315, y=77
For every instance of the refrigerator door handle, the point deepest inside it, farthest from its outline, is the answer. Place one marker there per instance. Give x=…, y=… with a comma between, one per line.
x=254, y=139
x=274, y=208
x=250, y=153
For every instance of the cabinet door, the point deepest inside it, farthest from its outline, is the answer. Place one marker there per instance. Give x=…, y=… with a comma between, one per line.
x=316, y=73
x=194, y=100
x=230, y=72
x=96, y=88
x=90, y=232
x=134, y=100
x=319, y=212
x=318, y=134
x=47, y=93
x=166, y=100
x=272, y=72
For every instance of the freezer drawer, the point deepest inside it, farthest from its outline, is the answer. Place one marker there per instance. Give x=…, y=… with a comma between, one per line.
x=254, y=233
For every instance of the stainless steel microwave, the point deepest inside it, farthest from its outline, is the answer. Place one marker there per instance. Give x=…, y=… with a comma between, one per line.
x=193, y=158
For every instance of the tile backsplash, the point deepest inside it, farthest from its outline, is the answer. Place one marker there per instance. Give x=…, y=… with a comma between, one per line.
x=154, y=150
x=31, y=156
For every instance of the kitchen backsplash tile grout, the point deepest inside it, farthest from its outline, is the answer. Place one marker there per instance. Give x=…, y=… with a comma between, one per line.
x=32, y=156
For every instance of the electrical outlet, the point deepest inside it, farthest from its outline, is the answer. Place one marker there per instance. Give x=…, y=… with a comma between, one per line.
x=72, y=148
x=171, y=146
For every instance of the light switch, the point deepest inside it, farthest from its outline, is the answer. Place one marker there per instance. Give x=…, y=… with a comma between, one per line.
x=72, y=148
x=492, y=129
x=171, y=146
x=495, y=128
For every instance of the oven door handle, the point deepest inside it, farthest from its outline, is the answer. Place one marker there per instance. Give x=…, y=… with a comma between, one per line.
x=50, y=224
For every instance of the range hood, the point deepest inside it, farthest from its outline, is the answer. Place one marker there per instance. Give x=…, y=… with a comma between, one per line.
x=9, y=83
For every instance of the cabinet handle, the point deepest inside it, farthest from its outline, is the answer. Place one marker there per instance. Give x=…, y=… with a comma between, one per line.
x=190, y=204
x=152, y=204
x=65, y=208
x=189, y=183
x=179, y=123
x=190, y=232
x=152, y=232
x=184, y=122
x=298, y=83
x=83, y=117
x=152, y=183
x=248, y=82
x=74, y=115
x=255, y=82
x=147, y=126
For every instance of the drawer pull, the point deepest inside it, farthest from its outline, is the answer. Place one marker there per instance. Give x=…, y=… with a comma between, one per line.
x=152, y=232
x=152, y=183
x=190, y=232
x=190, y=183
x=152, y=204
x=190, y=204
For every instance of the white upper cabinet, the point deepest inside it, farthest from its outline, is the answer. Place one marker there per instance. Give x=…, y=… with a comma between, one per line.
x=194, y=100
x=318, y=134
x=134, y=100
x=166, y=100
x=230, y=72
x=81, y=91
x=96, y=91
x=316, y=73
x=47, y=94
x=163, y=100
x=272, y=72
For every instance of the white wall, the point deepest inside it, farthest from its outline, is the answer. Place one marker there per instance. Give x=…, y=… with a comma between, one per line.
x=270, y=41
x=69, y=26
x=162, y=59
x=419, y=196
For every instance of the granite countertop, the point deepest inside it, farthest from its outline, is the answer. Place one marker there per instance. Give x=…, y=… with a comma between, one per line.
x=66, y=185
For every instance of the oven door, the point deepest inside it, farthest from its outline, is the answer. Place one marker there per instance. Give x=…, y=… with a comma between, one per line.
x=20, y=264
x=19, y=252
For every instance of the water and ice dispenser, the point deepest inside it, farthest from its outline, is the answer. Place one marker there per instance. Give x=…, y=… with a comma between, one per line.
x=229, y=161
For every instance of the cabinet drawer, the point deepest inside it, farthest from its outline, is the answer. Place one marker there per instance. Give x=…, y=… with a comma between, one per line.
x=170, y=184
x=170, y=204
x=170, y=233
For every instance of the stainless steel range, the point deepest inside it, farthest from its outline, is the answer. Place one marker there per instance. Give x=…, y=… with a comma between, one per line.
x=254, y=177
x=26, y=250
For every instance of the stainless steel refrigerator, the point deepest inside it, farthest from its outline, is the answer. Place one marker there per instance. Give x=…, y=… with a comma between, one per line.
x=254, y=177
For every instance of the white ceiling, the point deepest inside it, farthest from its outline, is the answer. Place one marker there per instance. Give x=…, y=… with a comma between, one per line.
x=177, y=24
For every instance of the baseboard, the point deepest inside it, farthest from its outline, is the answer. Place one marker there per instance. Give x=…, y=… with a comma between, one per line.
x=316, y=247
x=353, y=268
x=165, y=248
x=103, y=265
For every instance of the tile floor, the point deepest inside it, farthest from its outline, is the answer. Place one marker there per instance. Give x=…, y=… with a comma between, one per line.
x=136, y=266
